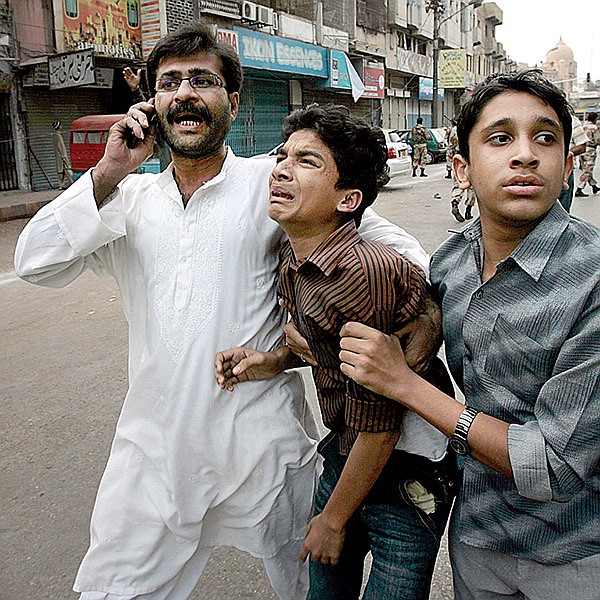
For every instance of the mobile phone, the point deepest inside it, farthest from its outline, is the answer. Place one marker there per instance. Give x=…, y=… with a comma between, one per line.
x=131, y=139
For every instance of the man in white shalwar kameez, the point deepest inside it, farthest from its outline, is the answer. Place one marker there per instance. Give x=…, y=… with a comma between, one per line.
x=195, y=257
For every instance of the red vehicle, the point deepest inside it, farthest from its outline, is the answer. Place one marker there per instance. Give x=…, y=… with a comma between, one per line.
x=88, y=139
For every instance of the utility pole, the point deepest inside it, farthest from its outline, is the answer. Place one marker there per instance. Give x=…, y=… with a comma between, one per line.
x=438, y=7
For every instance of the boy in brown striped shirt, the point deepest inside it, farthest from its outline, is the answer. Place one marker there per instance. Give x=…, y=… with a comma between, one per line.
x=328, y=171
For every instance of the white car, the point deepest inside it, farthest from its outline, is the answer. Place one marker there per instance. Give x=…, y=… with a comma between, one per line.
x=399, y=154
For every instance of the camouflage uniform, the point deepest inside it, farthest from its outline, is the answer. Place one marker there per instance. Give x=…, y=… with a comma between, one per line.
x=452, y=149
x=588, y=158
x=468, y=195
x=419, y=136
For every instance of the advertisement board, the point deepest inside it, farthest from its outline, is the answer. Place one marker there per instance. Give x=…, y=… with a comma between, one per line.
x=273, y=53
x=374, y=80
x=453, y=68
x=108, y=27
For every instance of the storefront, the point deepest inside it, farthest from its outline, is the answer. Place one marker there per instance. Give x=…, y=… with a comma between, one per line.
x=272, y=68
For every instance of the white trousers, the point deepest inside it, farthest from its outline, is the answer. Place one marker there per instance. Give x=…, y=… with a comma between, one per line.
x=288, y=577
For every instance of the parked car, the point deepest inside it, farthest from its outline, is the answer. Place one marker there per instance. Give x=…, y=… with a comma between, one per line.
x=399, y=161
x=436, y=143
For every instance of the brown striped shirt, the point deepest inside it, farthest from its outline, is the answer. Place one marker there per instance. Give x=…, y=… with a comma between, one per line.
x=347, y=278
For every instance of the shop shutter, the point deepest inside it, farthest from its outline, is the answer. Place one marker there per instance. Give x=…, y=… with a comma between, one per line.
x=263, y=106
x=43, y=108
x=8, y=167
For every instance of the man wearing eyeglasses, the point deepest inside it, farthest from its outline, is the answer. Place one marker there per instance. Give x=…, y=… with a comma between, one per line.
x=195, y=258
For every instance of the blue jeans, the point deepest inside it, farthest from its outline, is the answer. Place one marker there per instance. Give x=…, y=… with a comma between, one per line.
x=403, y=540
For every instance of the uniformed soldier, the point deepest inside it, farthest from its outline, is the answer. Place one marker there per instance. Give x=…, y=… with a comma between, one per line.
x=419, y=136
x=588, y=158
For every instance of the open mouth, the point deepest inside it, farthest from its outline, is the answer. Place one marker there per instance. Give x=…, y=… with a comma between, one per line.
x=188, y=121
x=281, y=195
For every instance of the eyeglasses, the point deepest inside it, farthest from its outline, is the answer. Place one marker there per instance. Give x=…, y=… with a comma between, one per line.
x=198, y=82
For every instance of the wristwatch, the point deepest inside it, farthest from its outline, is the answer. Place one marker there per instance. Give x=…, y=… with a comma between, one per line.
x=458, y=440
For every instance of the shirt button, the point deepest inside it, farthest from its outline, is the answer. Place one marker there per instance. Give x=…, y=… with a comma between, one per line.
x=183, y=259
x=478, y=294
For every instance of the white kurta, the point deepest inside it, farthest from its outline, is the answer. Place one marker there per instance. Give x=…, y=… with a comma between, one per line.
x=190, y=464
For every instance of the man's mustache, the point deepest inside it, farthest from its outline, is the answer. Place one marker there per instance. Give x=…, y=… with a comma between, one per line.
x=189, y=109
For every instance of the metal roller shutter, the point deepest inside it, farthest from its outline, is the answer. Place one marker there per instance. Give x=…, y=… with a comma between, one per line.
x=43, y=108
x=263, y=106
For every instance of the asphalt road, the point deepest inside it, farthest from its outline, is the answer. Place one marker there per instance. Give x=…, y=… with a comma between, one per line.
x=62, y=380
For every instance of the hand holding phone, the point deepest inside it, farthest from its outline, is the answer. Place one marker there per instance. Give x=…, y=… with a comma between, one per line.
x=131, y=139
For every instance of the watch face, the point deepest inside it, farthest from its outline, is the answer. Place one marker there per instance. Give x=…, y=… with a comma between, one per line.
x=459, y=446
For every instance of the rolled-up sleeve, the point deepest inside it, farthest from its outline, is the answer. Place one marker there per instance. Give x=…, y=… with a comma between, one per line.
x=553, y=456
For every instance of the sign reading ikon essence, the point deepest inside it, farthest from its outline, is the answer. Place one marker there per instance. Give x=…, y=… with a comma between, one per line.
x=273, y=53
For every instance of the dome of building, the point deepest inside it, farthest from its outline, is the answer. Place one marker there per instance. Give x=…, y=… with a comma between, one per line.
x=560, y=52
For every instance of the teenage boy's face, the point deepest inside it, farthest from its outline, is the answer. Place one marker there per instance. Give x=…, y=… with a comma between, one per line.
x=303, y=193
x=517, y=163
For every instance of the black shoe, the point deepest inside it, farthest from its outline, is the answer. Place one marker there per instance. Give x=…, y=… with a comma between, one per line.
x=595, y=189
x=414, y=173
x=468, y=214
x=457, y=214
x=448, y=176
x=423, y=174
x=581, y=194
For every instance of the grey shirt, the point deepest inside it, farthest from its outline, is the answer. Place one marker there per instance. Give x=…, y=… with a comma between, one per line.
x=525, y=347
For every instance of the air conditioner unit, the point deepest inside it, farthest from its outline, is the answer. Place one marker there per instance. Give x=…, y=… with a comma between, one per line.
x=265, y=15
x=249, y=11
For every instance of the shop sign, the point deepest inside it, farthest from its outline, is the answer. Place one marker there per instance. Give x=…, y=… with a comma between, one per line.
x=426, y=89
x=107, y=27
x=374, y=80
x=71, y=69
x=272, y=53
x=227, y=36
x=412, y=62
x=453, y=68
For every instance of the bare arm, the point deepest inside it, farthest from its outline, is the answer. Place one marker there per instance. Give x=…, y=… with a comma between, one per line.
x=376, y=361
x=245, y=364
x=325, y=532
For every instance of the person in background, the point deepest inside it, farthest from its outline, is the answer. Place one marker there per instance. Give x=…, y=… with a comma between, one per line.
x=419, y=136
x=195, y=257
x=578, y=145
x=452, y=147
x=458, y=194
x=133, y=80
x=381, y=488
x=520, y=293
x=63, y=164
x=588, y=158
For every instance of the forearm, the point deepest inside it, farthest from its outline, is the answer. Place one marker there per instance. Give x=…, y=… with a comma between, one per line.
x=365, y=463
x=488, y=436
x=106, y=175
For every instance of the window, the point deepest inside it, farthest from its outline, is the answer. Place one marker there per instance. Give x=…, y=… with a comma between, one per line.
x=94, y=137
x=71, y=8
x=78, y=137
x=133, y=13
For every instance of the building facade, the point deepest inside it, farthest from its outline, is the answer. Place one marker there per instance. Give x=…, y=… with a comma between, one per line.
x=62, y=59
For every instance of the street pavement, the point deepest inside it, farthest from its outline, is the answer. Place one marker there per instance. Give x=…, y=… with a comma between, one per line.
x=63, y=375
